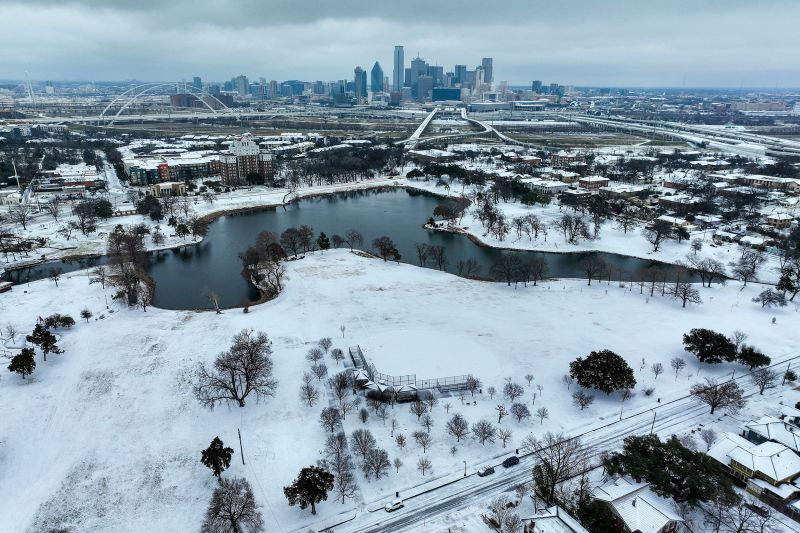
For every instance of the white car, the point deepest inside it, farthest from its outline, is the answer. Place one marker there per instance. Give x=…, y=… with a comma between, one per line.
x=394, y=505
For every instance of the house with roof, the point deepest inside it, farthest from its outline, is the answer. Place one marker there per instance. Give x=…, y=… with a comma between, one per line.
x=552, y=520
x=637, y=508
x=768, y=469
x=769, y=428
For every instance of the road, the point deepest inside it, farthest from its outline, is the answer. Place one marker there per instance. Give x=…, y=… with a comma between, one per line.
x=670, y=418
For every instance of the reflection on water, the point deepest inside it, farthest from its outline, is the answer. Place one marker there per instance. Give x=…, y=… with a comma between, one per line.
x=182, y=274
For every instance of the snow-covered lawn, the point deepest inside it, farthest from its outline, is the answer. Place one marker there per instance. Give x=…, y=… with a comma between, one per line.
x=107, y=436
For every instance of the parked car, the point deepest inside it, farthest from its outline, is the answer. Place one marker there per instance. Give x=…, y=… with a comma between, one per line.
x=486, y=471
x=511, y=461
x=394, y=505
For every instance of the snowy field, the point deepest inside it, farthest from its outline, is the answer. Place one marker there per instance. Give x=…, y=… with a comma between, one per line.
x=107, y=436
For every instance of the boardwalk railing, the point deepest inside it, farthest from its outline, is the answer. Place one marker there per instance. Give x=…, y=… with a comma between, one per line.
x=451, y=383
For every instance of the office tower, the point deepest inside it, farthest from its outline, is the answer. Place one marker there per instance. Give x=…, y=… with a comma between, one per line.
x=487, y=64
x=437, y=73
x=273, y=89
x=460, y=74
x=376, y=76
x=213, y=90
x=241, y=84
x=424, y=87
x=536, y=86
x=480, y=77
x=359, y=83
x=418, y=68
x=399, y=68
x=197, y=83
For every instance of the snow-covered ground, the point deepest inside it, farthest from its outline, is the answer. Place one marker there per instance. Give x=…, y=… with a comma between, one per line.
x=107, y=436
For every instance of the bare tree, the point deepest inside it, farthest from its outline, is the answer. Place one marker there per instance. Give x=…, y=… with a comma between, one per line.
x=504, y=435
x=400, y=439
x=325, y=343
x=437, y=253
x=520, y=411
x=99, y=275
x=657, y=369
x=513, y=524
x=727, y=395
x=422, y=253
x=457, y=427
x=559, y=459
x=308, y=392
x=363, y=442
x=337, y=355
x=427, y=423
x=53, y=207
x=492, y=391
x=501, y=508
x=232, y=509
x=746, y=268
x=21, y=214
x=54, y=274
x=529, y=379
x=10, y=332
x=764, y=378
x=484, y=431
x=501, y=412
x=319, y=370
x=542, y=413
x=677, y=364
x=393, y=427
x=473, y=384
x=353, y=238
x=567, y=380
x=747, y=518
x=418, y=408
x=423, y=465
x=594, y=267
x=431, y=402
x=376, y=463
x=512, y=391
x=582, y=400
x=314, y=355
x=329, y=418
x=423, y=440
x=708, y=436
x=397, y=464
x=246, y=368
x=340, y=385
x=686, y=293
x=738, y=338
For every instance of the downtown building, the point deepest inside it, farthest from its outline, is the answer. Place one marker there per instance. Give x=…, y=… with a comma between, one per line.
x=245, y=158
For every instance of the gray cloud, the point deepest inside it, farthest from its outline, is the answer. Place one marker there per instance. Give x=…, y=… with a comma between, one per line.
x=622, y=42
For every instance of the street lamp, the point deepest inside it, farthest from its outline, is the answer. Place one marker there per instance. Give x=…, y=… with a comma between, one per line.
x=465, y=469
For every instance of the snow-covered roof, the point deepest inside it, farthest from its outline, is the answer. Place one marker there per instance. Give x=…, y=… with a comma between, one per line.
x=555, y=520
x=780, y=216
x=639, y=507
x=777, y=430
x=772, y=459
x=594, y=179
x=783, y=491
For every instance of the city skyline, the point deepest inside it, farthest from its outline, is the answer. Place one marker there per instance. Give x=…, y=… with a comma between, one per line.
x=731, y=44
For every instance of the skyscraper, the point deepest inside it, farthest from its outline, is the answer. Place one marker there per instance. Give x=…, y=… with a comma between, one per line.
x=399, y=68
x=360, y=83
x=376, y=78
x=197, y=83
x=460, y=74
x=486, y=63
x=536, y=86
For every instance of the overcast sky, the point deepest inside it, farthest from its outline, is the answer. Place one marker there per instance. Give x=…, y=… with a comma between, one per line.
x=692, y=43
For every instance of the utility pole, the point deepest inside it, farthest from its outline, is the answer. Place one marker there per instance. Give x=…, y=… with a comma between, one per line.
x=784, y=375
x=653, y=425
x=241, y=450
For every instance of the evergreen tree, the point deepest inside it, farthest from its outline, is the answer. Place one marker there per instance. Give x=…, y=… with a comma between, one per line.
x=23, y=363
x=604, y=371
x=310, y=488
x=709, y=346
x=217, y=457
x=672, y=470
x=45, y=340
x=323, y=242
x=752, y=357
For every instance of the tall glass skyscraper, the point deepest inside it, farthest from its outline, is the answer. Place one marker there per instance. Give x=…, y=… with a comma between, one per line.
x=488, y=75
x=376, y=78
x=399, y=68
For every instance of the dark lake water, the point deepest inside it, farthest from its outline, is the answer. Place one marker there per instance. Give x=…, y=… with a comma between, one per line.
x=182, y=274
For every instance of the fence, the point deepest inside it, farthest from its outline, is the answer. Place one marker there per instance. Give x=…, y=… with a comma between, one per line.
x=451, y=383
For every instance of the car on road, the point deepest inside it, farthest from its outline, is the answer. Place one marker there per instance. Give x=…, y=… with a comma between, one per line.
x=511, y=461
x=394, y=505
x=486, y=471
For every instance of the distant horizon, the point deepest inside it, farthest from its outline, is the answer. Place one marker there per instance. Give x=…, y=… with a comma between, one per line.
x=510, y=85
